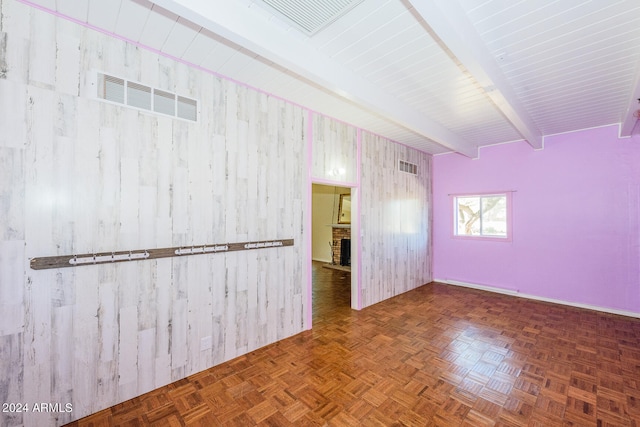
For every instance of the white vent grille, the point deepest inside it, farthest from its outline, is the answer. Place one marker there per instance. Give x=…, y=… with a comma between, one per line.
x=407, y=167
x=311, y=16
x=146, y=98
x=138, y=96
x=164, y=102
x=187, y=108
x=112, y=88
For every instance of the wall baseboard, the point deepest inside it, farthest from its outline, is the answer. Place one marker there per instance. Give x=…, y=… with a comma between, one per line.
x=516, y=293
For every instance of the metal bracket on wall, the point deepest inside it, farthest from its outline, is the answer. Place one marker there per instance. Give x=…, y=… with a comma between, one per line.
x=63, y=261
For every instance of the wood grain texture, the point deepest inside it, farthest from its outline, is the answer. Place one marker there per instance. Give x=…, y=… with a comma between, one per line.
x=395, y=220
x=17, y=308
x=85, y=176
x=99, y=177
x=437, y=355
x=334, y=150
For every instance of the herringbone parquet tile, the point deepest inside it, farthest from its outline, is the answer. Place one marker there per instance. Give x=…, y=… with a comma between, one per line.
x=436, y=356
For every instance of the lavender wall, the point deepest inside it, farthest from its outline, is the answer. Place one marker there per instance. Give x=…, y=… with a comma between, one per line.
x=576, y=219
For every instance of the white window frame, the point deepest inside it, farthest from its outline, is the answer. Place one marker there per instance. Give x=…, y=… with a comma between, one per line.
x=454, y=216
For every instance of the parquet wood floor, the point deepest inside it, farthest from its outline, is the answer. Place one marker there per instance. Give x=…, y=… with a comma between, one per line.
x=436, y=356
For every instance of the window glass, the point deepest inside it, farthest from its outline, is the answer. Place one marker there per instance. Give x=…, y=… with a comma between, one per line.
x=494, y=216
x=468, y=216
x=482, y=216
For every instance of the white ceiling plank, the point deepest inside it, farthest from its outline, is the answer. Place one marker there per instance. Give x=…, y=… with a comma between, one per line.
x=239, y=25
x=581, y=93
x=374, y=32
x=482, y=10
x=400, y=44
x=603, y=52
x=130, y=19
x=47, y=4
x=242, y=66
x=451, y=24
x=218, y=57
x=524, y=42
x=386, y=55
x=200, y=48
x=180, y=38
x=104, y=14
x=526, y=16
x=157, y=28
x=74, y=9
x=270, y=80
x=340, y=29
x=415, y=63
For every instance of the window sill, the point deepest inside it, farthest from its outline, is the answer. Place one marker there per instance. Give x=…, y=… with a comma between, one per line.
x=483, y=238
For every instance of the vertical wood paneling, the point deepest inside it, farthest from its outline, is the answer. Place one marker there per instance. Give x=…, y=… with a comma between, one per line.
x=99, y=177
x=61, y=340
x=334, y=150
x=44, y=52
x=87, y=165
x=12, y=243
x=395, y=220
x=37, y=343
x=13, y=101
x=79, y=175
x=86, y=327
x=12, y=250
x=128, y=352
x=164, y=302
x=145, y=365
x=68, y=54
x=12, y=372
x=17, y=49
x=11, y=289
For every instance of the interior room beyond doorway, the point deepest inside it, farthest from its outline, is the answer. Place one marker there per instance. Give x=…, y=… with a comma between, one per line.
x=331, y=249
x=331, y=226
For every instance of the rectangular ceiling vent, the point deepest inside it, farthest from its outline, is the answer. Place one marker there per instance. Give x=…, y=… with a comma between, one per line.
x=407, y=167
x=311, y=16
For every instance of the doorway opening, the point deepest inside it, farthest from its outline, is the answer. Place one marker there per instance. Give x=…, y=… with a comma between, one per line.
x=333, y=257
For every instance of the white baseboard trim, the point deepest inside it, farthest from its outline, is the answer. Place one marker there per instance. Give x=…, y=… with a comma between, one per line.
x=505, y=291
x=516, y=293
x=328, y=261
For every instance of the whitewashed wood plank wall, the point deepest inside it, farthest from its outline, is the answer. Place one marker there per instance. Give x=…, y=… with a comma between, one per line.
x=78, y=175
x=395, y=220
x=334, y=151
x=81, y=176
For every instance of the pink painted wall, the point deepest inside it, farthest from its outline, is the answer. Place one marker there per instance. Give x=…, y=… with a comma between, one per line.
x=576, y=219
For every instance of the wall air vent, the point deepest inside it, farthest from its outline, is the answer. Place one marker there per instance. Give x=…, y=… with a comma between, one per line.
x=139, y=96
x=313, y=15
x=136, y=95
x=407, y=167
x=164, y=102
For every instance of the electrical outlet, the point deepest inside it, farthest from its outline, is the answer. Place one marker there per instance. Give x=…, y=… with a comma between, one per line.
x=205, y=343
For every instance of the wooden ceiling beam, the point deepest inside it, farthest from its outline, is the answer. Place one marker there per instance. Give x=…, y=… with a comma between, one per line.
x=448, y=23
x=237, y=23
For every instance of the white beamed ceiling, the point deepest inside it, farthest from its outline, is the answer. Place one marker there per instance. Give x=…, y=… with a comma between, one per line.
x=447, y=75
